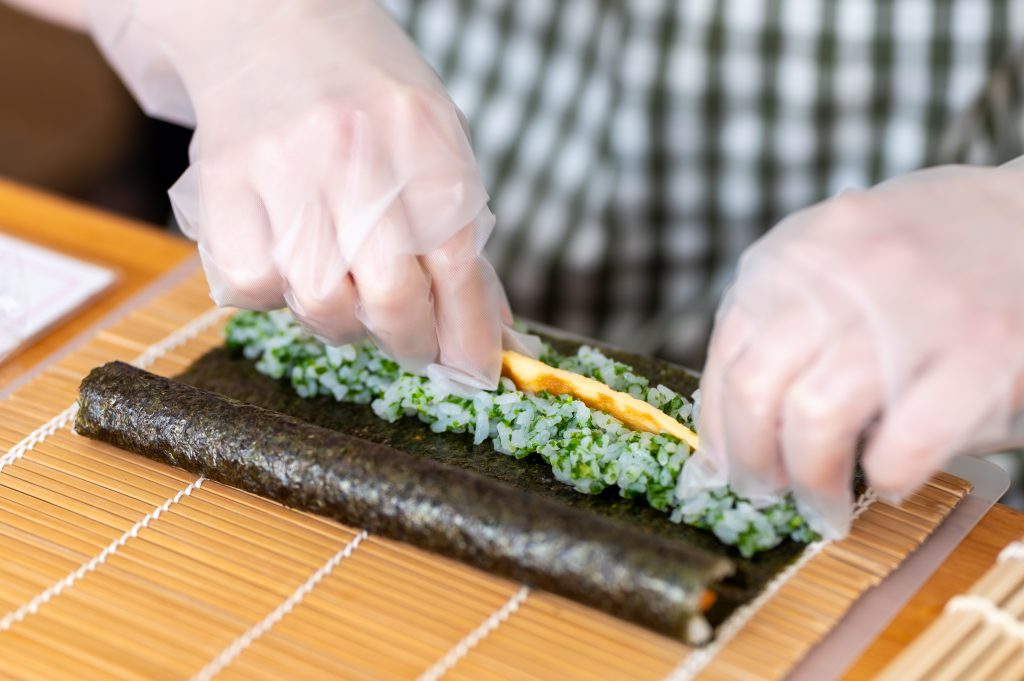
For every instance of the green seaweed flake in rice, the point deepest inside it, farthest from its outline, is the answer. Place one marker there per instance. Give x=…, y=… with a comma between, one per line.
x=587, y=449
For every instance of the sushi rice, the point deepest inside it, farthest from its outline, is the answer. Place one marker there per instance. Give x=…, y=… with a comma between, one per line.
x=586, y=449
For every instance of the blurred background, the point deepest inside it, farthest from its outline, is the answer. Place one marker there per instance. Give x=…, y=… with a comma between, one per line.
x=69, y=126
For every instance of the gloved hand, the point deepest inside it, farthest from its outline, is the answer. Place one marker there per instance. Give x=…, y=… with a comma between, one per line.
x=894, y=314
x=330, y=171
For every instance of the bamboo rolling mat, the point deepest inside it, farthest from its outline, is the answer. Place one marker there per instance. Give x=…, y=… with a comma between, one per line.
x=116, y=567
x=980, y=634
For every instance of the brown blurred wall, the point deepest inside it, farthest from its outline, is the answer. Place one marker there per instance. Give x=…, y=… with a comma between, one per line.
x=66, y=123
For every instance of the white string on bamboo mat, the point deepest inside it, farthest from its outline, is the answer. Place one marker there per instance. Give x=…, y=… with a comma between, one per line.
x=39, y=435
x=1013, y=551
x=32, y=607
x=989, y=611
x=238, y=646
x=67, y=417
x=698, y=659
x=462, y=648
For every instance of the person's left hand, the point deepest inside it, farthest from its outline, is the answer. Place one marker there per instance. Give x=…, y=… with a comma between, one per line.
x=893, y=315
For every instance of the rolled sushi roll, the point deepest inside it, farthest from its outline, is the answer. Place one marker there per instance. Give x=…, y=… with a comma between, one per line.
x=661, y=584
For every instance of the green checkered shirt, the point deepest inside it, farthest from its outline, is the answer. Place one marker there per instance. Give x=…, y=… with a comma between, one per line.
x=633, y=149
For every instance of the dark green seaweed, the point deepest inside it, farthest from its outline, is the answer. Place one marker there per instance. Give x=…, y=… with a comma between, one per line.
x=481, y=520
x=222, y=372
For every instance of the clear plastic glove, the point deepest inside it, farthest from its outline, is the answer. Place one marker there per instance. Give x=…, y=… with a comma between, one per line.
x=895, y=315
x=330, y=172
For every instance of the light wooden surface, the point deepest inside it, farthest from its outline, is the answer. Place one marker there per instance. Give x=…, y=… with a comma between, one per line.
x=141, y=254
x=138, y=253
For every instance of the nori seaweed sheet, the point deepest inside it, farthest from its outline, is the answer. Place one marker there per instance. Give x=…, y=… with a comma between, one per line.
x=226, y=373
x=645, y=577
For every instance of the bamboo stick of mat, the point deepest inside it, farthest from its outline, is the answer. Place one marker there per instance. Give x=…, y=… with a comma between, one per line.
x=110, y=570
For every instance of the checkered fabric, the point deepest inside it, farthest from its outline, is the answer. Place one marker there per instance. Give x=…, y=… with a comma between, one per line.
x=633, y=148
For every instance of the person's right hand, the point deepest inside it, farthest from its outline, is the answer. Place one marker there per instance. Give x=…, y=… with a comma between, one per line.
x=330, y=171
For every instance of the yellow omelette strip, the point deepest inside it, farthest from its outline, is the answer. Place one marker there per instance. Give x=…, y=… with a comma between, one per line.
x=534, y=376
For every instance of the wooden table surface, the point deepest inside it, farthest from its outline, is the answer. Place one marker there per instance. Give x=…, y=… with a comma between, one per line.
x=141, y=254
